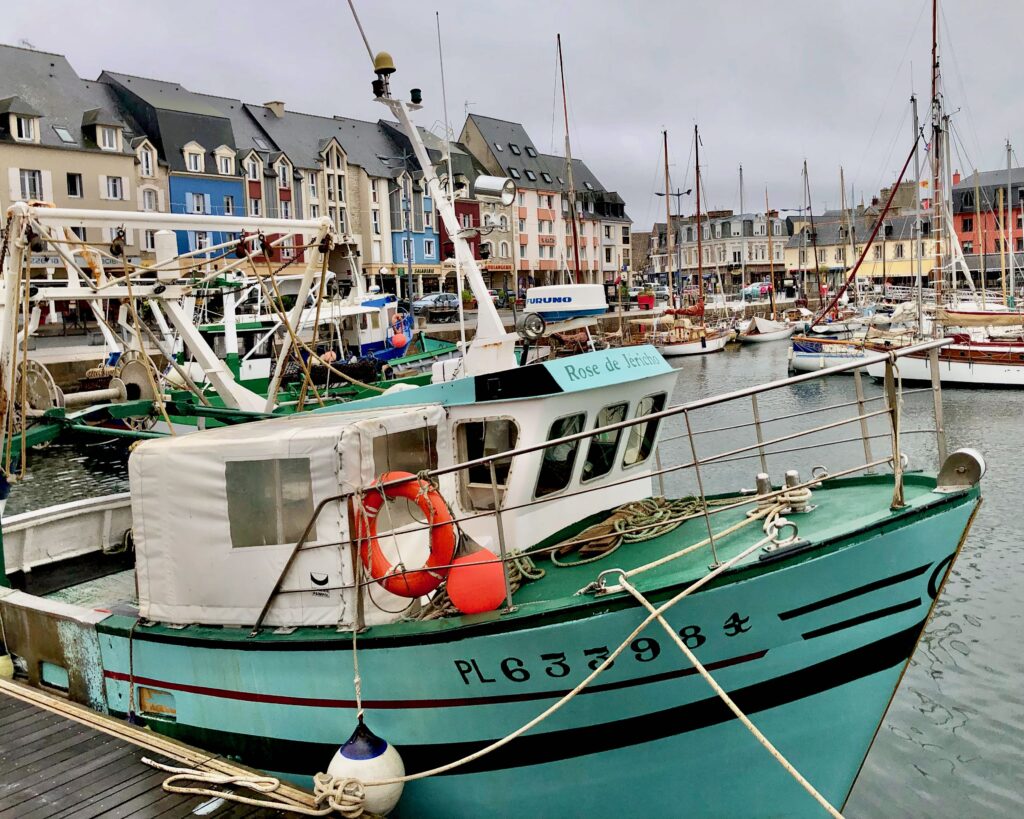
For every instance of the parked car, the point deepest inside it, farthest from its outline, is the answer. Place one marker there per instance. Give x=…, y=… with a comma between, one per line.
x=757, y=290
x=661, y=292
x=635, y=291
x=437, y=306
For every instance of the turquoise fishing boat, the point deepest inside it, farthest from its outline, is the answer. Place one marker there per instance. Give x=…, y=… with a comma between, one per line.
x=808, y=623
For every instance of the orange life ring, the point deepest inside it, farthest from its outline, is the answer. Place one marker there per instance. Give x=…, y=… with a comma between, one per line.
x=442, y=536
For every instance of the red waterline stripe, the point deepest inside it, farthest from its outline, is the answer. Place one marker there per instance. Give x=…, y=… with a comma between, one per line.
x=317, y=702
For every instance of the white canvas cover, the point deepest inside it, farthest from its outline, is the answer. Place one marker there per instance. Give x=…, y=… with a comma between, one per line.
x=764, y=325
x=217, y=513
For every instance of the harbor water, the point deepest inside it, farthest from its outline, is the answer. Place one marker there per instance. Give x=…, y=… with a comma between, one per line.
x=952, y=743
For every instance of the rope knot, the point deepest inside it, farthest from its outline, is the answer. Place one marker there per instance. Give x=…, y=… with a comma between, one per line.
x=346, y=795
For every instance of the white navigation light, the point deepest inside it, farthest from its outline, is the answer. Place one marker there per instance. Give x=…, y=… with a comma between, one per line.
x=495, y=189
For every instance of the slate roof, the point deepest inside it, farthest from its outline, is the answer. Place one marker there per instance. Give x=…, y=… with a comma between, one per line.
x=828, y=228
x=173, y=116
x=989, y=182
x=38, y=83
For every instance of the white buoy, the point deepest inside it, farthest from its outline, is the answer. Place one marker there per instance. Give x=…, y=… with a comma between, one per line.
x=369, y=758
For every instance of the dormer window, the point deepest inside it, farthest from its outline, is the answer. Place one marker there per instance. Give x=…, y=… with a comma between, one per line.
x=226, y=165
x=107, y=138
x=146, y=161
x=514, y=149
x=283, y=172
x=252, y=169
x=194, y=161
x=24, y=128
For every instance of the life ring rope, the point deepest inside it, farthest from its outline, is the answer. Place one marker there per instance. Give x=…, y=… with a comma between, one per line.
x=398, y=579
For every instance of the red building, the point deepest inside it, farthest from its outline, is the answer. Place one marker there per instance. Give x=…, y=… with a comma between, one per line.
x=983, y=216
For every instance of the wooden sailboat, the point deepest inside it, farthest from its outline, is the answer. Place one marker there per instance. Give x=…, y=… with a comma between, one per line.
x=676, y=334
x=761, y=329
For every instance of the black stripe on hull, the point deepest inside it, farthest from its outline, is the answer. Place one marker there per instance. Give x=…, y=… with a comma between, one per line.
x=842, y=597
x=304, y=758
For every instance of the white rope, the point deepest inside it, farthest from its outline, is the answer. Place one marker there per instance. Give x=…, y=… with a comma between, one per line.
x=722, y=695
x=342, y=795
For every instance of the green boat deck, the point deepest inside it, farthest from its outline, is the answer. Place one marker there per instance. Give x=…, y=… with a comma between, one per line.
x=843, y=507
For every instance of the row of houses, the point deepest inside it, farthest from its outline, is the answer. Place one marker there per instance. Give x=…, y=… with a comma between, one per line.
x=988, y=222
x=122, y=142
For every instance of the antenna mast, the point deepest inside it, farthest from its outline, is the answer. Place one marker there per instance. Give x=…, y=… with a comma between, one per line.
x=568, y=163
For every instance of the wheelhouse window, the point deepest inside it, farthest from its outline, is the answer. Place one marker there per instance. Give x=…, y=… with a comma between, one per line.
x=558, y=460
x=640, y=443
x=269, y=502
x=478, y=439
x=601, y=451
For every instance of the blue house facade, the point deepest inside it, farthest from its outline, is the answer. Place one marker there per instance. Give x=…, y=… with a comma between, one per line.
x=205, y=195
x=415, y=240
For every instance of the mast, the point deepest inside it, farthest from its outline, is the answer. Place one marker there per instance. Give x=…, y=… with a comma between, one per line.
x=918, y=243
x=845, y=220
x=700, y=258
x=669, y=233
x=1009, y=228
x=978, y=242
x=814, y=235
x=937, y=226
x=1002, y=240
x=771, y=257
x=743, y=245
x=568, y=163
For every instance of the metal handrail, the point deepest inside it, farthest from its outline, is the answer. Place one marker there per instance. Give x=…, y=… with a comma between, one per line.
x=889, y=356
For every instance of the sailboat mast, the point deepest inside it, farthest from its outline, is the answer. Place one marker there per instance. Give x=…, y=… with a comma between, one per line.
x=743, y=245
x=669, y=233
x=814, y=236
x=568, y=163
x=700, y=256
x=936, y=158
x=845, y=220
x=918, y=243
x=771, y=256
x=1009, y=228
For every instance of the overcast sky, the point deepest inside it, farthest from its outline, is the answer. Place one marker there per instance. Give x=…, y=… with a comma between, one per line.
x=770, y=84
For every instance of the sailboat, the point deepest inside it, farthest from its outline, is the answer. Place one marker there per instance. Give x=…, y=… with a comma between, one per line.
x=761, y=329
x=300, y=598
x=974, y=358
x=683, y=331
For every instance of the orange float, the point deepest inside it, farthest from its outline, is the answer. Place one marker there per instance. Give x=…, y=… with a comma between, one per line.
x=406, y=583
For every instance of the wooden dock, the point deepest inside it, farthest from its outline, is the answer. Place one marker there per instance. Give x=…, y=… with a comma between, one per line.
x=56, y=766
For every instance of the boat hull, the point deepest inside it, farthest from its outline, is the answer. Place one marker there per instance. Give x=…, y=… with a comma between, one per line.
x=961, y=365
x=810, y=355
x=811, y=644
x=712, y=343
x=774, y=335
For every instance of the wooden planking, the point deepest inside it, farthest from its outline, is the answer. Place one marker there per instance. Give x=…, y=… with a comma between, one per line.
x=52, y=767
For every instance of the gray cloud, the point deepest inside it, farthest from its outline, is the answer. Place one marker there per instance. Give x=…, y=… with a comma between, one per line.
x=769, y=83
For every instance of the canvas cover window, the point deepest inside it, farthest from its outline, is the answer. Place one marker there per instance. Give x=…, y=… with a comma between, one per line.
x=270, y=502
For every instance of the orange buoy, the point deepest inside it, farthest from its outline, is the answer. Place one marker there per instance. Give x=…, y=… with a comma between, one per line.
x=399, y=340
x=404, y=582
x=476, y=582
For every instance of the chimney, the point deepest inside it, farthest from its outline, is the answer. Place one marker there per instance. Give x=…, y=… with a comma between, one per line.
x=276, y=108
x=956, y=177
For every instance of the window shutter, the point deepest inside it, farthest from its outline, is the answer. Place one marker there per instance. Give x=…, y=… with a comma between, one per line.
x=207, y=204
x=47, y=186
x=14, y=184
x=160, y=199
x=103, y=187
x=124, y=187
x=189, y=203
